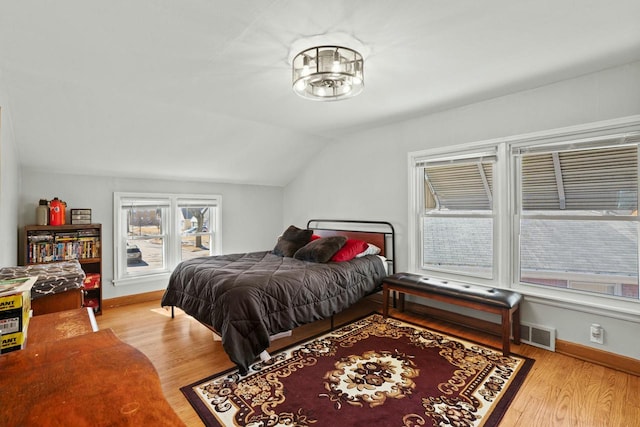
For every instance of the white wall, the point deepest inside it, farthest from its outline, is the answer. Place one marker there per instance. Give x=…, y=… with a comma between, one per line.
x=365, y=175
x=251, y=215
x=9, y=185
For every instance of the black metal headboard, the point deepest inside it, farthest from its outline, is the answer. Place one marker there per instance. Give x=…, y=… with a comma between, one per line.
x=379, y=233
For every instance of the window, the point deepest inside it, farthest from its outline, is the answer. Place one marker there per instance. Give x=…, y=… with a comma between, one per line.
x=196, y=231
x=578, y=222
x=457, y=215
x=145, y=232
x=551, y=214
x=154, y=232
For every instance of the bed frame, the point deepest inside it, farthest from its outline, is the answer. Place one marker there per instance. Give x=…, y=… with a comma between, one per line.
x=379, y=233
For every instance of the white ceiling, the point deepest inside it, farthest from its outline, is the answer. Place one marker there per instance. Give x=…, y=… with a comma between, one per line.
x=201, y=89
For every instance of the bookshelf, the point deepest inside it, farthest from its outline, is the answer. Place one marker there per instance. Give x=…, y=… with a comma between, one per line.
x=47, y=243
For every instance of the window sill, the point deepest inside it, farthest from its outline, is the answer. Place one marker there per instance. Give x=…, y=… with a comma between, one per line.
x=612, y=307
x=143, y=280
x=616, y=308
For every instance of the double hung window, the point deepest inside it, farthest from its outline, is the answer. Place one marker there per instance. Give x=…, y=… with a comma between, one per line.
x=551, y=214
x=197, y=219
x=145, y=232
x=457, y=214
x=578, y=222
x=154, y=232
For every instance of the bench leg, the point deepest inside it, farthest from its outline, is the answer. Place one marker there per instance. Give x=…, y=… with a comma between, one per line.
x=385, y=300
x=510, y=321
x=506, y=332
x=516, y=324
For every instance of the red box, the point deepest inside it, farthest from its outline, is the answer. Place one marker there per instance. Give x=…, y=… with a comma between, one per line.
x=92, y=281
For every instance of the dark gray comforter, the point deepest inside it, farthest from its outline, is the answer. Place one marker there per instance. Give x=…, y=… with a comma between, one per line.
x=248, y=297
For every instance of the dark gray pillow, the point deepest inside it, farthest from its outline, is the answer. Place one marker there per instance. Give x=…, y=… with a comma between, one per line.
x=320, y=250
x=291, y=240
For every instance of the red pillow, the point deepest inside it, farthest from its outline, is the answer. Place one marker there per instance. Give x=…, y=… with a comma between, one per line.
x=315, y=237
x=350, y=250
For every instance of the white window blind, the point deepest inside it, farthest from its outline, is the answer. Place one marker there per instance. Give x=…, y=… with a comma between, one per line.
x=196, y=203
x=590, y=179
x=460, y=185
x=128, y=202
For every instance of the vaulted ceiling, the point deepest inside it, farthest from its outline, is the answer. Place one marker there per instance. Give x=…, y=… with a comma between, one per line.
x=201, y=89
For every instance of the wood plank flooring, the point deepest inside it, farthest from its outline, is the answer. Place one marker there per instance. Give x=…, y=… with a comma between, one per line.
x=559, y=390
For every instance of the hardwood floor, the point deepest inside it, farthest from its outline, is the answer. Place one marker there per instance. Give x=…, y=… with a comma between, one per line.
x=559, y=390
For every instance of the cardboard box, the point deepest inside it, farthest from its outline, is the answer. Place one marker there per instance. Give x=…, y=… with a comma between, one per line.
x=15, y=312
x=11, y=321
x=13, y=342
x=14, y=301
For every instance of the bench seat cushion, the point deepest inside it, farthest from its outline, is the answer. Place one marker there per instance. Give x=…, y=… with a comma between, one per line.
x=490, y=296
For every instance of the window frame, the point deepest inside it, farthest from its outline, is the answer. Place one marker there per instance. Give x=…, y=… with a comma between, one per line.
x=213, y=230
x=506, y=205
x=461, y=158
x=172, y=233
x=581, y=144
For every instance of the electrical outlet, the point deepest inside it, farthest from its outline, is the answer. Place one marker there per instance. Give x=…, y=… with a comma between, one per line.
x=597, y=333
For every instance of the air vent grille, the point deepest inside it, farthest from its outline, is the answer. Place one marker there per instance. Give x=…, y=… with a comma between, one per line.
x=538, y=336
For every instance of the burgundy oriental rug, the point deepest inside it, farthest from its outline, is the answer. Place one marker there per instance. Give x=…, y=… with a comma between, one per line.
x=372, y=372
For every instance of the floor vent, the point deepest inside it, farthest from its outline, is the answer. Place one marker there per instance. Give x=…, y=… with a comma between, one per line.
x=539, y=336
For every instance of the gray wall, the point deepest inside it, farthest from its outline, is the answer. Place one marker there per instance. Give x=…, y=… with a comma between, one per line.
x=251, y=214
x=365, y=175
x=9, y=185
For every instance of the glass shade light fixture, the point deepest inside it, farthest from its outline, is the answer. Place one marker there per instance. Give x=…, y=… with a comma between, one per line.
x=328, y=73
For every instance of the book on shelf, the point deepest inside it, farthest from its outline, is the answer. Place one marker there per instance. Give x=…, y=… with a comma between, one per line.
x=40, y=237
x=88, y=232
x=63, y=250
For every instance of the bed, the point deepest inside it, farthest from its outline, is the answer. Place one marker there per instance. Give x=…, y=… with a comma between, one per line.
x=248, y=298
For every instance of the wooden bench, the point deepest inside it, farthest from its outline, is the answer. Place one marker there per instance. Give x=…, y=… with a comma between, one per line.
x=498, y=301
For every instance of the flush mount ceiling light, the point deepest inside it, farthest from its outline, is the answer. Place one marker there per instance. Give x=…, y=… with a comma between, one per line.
x=328, y=73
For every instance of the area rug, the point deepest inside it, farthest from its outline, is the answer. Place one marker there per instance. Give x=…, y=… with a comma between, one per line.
x=371, y=372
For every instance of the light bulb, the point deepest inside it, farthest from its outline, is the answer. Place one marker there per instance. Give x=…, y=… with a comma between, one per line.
x=305, y=65
x=336, y=62
x=300, y=84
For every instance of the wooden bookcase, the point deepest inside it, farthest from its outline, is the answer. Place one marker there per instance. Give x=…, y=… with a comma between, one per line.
x=54, y=243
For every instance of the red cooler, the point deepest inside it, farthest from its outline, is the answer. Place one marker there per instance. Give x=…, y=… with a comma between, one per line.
x=56, y=212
